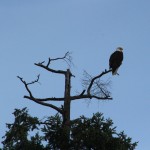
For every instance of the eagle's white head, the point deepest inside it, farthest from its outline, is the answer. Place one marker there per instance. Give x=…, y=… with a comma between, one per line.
x=120, y=49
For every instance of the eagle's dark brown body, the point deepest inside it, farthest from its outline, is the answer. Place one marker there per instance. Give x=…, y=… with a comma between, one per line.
x=115, y=61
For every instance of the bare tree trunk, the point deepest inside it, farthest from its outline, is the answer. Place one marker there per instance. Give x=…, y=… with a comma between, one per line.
x=66, y=114
x=67, y=98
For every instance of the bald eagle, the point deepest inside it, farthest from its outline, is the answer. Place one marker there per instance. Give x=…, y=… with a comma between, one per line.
x=115, y=60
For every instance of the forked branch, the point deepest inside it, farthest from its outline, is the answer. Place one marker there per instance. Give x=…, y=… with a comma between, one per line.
x=94, y=88
x=26, y=85
x=49, y=69
x=40, y=101
x=67, y=58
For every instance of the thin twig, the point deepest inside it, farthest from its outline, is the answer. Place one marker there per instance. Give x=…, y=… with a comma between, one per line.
x=66, y=58
x=37, y=80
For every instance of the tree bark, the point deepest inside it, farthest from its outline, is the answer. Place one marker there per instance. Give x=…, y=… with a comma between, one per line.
x=67, y=98
x=66, y=113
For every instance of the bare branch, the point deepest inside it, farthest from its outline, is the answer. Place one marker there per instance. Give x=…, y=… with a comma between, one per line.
x=95, y=88
x=86, y=96
x=49, y=69
x=82, y=93
x=26, y=86
x=101, y=87
x=45, y=99
x=45, y=104
x=38, y=100
x=67, y=58
x=37, y=80
x=96, y=77
x=49, y=60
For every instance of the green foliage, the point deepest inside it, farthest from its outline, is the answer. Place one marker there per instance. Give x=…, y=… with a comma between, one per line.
x=98, y=133
x=54, y=133
x=16, y=138
x=94, y=133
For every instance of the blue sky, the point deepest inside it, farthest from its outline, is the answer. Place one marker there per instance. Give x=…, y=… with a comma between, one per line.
x=33, y=30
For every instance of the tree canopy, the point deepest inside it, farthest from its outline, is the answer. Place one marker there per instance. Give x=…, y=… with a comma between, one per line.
x=95, y=133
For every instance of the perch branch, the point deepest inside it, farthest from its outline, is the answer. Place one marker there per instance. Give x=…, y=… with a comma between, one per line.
x=96, y=77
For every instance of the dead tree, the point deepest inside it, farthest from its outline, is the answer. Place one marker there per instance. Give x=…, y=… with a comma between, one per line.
x=93, y=88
